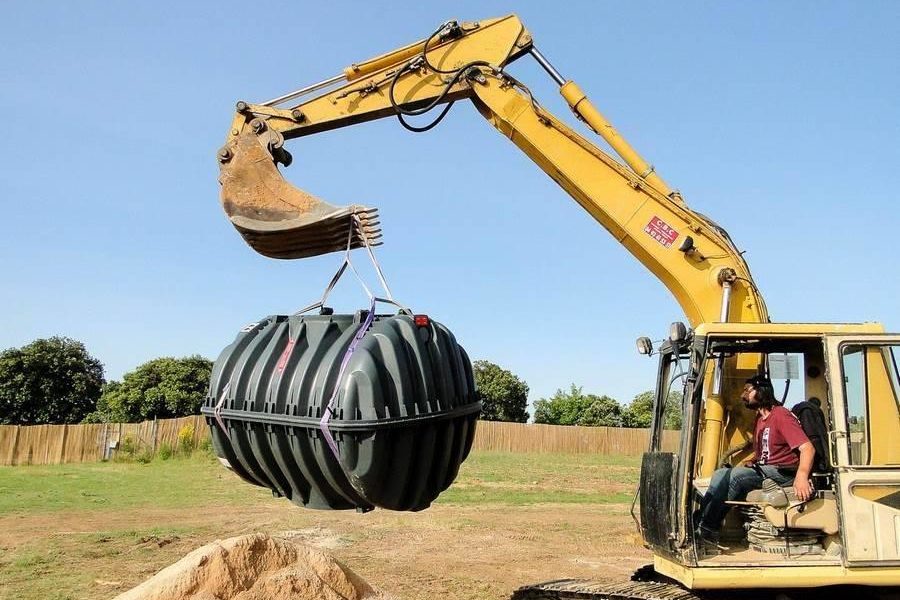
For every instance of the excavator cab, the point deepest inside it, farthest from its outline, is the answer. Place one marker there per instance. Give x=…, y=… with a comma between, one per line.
x=851, y=523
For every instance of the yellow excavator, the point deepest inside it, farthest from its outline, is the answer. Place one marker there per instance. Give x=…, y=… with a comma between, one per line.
x=847, y=534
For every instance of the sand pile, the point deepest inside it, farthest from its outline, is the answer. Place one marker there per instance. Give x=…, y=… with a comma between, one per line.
x=255, y=567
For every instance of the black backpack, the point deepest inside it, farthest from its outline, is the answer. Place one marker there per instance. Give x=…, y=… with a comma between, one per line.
x=812, y=419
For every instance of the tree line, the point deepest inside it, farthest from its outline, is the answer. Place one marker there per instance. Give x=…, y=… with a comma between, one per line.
x=56, y=380
x=504, y=397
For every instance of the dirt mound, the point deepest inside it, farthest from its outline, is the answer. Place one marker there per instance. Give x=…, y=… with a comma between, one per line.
x=255, y=567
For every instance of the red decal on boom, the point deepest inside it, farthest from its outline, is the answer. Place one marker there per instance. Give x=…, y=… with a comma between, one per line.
x=660, y=231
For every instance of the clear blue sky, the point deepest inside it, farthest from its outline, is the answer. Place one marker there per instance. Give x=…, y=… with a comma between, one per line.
x=779, y=120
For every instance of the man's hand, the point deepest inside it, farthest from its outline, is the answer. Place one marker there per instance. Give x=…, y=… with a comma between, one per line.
x=802, y=485
x=803, y=488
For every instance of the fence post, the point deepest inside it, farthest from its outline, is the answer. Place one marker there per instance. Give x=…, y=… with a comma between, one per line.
x=155, y=432
x=104, y=441
x=62, y=447
x=15, y=446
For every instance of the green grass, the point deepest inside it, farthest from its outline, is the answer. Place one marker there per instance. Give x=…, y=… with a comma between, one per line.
x=485, y=478
x=102, y=486
x=523, y=479
x=486, y=495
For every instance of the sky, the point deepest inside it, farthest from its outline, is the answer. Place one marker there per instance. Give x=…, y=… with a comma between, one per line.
x=779, y=120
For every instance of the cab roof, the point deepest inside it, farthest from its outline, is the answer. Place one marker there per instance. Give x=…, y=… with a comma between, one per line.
x=788, y=329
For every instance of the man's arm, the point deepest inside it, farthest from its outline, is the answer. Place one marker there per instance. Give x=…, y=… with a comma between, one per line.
x=802, y=486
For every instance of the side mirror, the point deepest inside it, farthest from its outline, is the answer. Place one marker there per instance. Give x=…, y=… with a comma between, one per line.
x=644, y=346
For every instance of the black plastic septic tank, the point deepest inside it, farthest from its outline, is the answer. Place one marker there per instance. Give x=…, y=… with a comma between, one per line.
x=403, y=412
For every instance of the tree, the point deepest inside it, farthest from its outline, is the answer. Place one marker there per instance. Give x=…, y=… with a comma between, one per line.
x=577, y=408
x=602, y=411
x=504, y=396
x=161, y=388
x=51, y=380
x=640, y=412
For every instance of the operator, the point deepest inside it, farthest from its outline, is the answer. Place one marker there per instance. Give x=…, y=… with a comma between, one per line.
x=781, y=452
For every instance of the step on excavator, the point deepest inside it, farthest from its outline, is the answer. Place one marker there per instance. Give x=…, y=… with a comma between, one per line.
x=843, y=541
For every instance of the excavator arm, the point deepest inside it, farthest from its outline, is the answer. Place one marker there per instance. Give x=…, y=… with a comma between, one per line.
x=281, y=221
x=694, y=258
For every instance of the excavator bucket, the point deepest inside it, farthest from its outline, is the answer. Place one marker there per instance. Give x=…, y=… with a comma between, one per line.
x=278, y=220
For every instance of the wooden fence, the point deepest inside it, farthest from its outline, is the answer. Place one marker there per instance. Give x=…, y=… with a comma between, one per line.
x=518, y=437
x=56, y=444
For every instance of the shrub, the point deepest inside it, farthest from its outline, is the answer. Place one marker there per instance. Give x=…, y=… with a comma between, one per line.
x=166, y=451
x=128, y=446
x=145, y=456
x=132, y=449
x=206, y=446
x=577, y=408
x=186, y=439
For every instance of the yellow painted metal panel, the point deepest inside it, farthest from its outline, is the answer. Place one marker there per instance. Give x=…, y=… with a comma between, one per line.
x=788, y=329
x=771, y=575
x=636, y=216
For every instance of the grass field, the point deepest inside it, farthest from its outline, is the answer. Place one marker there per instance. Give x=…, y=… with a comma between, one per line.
x=94, y=530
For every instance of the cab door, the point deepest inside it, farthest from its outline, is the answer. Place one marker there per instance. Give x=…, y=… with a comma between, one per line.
x=865, y=445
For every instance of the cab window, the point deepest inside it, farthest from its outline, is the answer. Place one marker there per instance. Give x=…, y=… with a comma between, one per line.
x=872, y=394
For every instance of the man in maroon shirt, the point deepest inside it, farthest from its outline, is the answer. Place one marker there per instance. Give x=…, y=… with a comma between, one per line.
x=782, y=452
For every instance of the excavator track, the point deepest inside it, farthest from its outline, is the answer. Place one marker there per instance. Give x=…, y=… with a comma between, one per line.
x=584, y=589
x=646, y=584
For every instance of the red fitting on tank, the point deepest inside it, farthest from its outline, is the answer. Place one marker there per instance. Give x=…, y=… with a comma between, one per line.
x=421, y=320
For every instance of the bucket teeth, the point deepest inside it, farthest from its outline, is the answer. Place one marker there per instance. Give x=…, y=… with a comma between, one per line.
x=280, y=221
x=304, y=237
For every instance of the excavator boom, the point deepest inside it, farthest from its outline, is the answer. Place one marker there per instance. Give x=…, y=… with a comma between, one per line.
x=692, y=256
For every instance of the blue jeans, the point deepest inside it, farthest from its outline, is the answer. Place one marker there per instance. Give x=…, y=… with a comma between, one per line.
x=734, y=483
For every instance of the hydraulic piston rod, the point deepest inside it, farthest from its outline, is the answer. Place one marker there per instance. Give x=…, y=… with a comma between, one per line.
x=306, y=90
x=582, y=107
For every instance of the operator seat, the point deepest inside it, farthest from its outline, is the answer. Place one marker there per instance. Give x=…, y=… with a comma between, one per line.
x=781, y=506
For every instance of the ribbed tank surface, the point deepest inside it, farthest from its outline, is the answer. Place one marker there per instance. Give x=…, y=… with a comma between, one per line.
x=402, y=421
